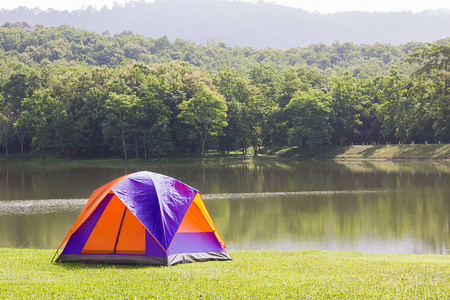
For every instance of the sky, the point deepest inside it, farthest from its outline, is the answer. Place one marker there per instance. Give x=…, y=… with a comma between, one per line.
x=322, y=6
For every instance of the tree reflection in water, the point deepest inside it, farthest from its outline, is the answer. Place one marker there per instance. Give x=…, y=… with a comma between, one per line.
x=398, y=207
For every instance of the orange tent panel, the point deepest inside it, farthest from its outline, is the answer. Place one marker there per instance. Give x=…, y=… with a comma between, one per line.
x=195, y=221
x=95, y=199
x=104, y=236
x=132, y=236
x=201, y=205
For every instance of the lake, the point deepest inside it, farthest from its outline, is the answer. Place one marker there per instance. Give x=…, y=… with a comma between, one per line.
x=377, y=207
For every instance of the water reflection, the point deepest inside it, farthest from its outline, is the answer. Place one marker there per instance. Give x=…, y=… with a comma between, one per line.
x=396, y=222
x=381, y=207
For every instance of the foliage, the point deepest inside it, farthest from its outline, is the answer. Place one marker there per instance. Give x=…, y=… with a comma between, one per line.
x=310, y=117
x=433, y=71
x=73, y=93
x=44, y=45
x=346, y=108
x=205, y=112
x=118, y=122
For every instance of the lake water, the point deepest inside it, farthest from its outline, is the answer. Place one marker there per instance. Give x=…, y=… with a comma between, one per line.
x=378, y=207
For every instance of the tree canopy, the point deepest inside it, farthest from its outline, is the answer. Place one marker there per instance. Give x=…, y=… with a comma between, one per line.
x=74, y=93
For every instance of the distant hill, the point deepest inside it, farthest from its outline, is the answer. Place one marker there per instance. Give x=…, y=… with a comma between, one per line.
x=245, y=24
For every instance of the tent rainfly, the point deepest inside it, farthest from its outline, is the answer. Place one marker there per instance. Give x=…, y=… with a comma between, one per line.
x=143, y=218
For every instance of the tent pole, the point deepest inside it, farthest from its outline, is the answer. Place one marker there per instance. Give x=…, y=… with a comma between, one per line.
x=120, y=229
x=54, y=256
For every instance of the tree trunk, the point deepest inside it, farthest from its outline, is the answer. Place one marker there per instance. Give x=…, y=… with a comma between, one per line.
x=446, y=81
x=255, y=150
x=6, y=144
x=123, y=144
x=136, y=148
x=203, y=140
x=145, y=148
x=20, y=132
x=21, y=144
x=309, y=146
x=203, y=147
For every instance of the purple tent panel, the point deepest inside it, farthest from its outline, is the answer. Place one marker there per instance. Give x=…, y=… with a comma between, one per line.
x=159, y=202
x=194, y=242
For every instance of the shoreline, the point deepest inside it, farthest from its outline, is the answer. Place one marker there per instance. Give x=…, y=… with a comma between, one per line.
x=413, y=152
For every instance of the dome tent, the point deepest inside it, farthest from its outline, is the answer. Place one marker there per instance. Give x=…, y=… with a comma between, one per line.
x=143, y=218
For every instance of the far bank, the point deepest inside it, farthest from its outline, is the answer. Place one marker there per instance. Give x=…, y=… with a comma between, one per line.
x=432, y=152
x=365, y=152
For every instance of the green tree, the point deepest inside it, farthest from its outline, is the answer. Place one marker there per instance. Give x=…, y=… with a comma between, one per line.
x=6, y=123
x=118, y=121
x=34, y=120
x=43, y=117
x=310, y=118
x=239, y=95
x=82, y=91
x=206, y=112
x=264, y=110
x=87, y=112
x=370, y=129
x=433, y=74
x=153, y=118
x=433, y=63
x=19, y=86
x=394, y=107
x=346, y=109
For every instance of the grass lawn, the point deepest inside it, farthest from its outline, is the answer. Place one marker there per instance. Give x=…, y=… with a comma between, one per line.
x=309, y=274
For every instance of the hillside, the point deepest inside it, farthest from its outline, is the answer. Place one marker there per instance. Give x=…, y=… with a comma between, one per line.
x=38, y=44
x=244, y=24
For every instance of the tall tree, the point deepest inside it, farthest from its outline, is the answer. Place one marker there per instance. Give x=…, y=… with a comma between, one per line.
x=433, y=70
x=433, y=63
x=238, y=94
x=264, y=109
x=42, y=118
x=206, y=112
x=20, y=85
x=152, y=117
x=346, y=108
x=6, y=123
x=394, y=107
x=310, y=118
x=118, y=121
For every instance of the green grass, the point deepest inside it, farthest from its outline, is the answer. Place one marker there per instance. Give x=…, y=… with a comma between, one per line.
x=28, y=274
x=366, y=152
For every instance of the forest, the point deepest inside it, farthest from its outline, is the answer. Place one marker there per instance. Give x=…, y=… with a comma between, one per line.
x=78, y=94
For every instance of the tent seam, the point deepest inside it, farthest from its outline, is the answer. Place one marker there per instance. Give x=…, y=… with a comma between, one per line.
x=192, y=201
x=162, y=217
